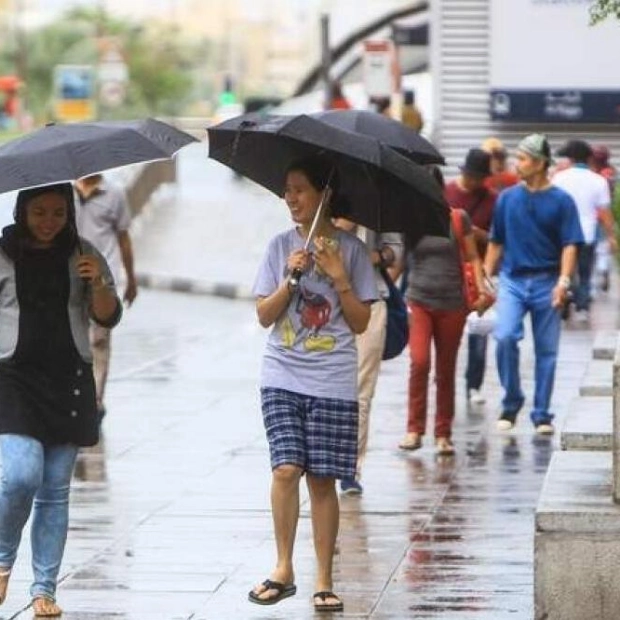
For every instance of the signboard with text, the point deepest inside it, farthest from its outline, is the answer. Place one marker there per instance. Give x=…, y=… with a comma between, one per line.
x=378, y=64
x=549, y=65
x=74, y=93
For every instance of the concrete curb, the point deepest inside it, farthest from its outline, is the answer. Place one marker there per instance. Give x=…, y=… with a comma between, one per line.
x=193, y=286
x=178, y=284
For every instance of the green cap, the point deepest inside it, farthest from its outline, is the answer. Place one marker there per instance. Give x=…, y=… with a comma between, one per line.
x=537, y=146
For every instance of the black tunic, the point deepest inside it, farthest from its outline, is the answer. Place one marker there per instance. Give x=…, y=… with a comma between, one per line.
x=47, y=390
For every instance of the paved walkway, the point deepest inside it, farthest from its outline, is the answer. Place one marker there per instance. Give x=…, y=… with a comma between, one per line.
x=214, y=232
x=170, y=515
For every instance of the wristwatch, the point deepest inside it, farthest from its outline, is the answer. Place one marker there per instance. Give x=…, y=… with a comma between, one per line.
x=564, y=282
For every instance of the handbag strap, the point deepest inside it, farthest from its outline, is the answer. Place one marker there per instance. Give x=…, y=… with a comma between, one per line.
x=482, y=195
x=456, y=217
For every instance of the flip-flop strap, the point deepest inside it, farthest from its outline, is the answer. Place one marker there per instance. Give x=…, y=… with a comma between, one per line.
x=274, y=585
x=325, y=594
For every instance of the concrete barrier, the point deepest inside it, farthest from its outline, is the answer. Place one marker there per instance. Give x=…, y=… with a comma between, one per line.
x=597, y=380
x=165, y=282
x=604, y=347
x=577, y=540
x=588, y=424
x=577, y=526
x=616, y=427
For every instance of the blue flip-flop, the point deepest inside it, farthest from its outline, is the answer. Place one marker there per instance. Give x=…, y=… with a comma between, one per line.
x=284, y=590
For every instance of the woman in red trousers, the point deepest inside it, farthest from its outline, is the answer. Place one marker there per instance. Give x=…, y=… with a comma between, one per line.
x=437, y=314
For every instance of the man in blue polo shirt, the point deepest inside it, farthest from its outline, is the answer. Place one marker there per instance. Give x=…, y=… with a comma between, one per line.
x=535, y=232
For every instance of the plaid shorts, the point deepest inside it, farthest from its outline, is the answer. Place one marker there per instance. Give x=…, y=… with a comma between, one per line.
x=317, y=434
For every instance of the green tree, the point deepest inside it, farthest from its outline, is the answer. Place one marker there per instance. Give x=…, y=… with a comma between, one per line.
x=602, y=9
x=162, y=65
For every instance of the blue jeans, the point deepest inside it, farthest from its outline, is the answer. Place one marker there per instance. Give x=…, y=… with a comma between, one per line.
x=585, y=265
x=476, y=361
x=41, y=475
x=518, y=295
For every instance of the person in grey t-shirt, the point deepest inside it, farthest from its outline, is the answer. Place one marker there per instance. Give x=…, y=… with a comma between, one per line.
x=309, y=376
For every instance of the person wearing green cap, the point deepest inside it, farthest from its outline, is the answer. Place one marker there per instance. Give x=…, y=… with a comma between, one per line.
x=535, y=232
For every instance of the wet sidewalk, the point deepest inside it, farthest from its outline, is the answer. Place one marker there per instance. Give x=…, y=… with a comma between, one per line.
x=170, y=514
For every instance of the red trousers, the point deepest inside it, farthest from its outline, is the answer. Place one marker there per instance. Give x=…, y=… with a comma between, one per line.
x=445, y=328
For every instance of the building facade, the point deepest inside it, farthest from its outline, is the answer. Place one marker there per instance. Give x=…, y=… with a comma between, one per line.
x=465, y=73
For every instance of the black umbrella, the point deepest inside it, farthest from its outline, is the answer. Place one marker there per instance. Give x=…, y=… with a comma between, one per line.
x=384, y=191
x=393, y=133
x=58, y=153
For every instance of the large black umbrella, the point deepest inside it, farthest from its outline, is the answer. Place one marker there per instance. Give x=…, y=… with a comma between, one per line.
x=58, y=153
x=393, y=133
x=383, y=190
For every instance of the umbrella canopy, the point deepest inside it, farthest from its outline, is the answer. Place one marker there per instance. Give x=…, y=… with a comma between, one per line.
x=59, y=153
x=393, y=133
x=383, y=190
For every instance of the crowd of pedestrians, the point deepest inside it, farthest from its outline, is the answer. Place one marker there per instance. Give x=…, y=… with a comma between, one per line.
x=527, y=234
x=531, y=237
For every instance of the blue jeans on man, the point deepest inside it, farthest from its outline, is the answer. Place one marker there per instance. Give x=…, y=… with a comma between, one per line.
x=35, y=477
x=476, y=361
x=518, y=295
x=585, y=266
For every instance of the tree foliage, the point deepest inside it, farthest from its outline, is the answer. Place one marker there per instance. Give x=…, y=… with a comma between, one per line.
x=162, y=64
x=602, y=9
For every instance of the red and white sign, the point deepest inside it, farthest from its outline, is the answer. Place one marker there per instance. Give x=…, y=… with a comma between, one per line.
x=378, y=65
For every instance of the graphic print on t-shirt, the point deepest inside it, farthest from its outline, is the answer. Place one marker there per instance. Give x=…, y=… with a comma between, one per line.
x=315, y=310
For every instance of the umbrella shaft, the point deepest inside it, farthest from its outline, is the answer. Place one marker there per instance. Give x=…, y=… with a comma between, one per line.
x=315, y=224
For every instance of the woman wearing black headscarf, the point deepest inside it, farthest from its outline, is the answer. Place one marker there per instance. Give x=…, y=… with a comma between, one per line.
x=51, y=284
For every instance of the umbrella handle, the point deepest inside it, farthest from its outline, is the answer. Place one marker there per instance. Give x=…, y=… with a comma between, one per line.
x=295, y=278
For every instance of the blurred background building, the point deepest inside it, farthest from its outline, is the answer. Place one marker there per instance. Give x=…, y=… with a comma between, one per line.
x=467, y=61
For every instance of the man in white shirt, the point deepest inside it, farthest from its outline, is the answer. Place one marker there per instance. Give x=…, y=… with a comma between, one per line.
x=590, y=192
x=103, y=218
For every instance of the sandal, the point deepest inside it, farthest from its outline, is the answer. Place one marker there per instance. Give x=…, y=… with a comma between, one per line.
x=323, y=595
x=412, y=441
x=44, y=607
x=283, y=590
x=444, y=446
x=4, y=584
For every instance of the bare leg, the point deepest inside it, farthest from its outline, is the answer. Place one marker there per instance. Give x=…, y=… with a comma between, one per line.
x=325, y=520
x=285, y=513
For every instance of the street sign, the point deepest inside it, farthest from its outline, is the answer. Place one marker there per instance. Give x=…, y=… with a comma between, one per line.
x=378, y=68
x=574, y=81
x=112, y=72
x=74, y=93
